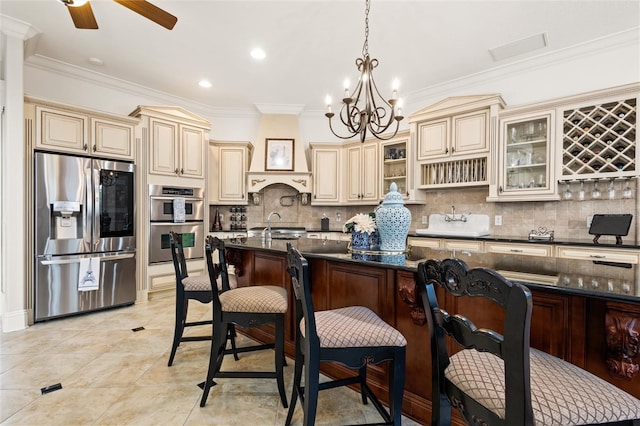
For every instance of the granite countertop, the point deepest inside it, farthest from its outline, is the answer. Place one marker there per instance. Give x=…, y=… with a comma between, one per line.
x=579, y=277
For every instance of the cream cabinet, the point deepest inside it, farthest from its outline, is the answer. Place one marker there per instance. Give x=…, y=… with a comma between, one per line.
x=85, y=132
x=174, y=143
x=228, y=164
x=453, y=136
x=326, y=167
x=362, y=172
x=453, y=140
x=603, y=254
x=176, y=149
x=526, y=166
x=521, y=249
x=112, y=138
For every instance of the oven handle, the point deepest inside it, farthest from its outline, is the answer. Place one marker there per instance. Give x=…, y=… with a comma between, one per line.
x=106, y=257
x=192, y=223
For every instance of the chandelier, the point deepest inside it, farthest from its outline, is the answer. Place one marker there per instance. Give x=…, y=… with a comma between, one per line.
x=365, y=110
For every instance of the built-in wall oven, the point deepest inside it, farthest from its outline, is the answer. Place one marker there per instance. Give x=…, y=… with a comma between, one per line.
x=163, y=219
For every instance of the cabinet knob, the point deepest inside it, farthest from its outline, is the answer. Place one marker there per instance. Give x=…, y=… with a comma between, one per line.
x=446, y=150
x=176, y=171
x=85, y=147
x=181, y=171
x=500, y=189
x=453, y=149
x=94, y=148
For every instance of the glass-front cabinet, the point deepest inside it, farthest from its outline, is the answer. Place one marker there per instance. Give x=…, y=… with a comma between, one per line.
x=525, y=164
x=394, y=166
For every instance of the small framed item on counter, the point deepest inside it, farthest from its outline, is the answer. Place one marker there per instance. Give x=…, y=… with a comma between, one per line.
x=279, y=154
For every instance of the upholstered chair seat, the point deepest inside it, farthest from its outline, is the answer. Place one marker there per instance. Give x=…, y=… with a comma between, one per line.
x=561, y=393
x=258, y=299
x=203, y=283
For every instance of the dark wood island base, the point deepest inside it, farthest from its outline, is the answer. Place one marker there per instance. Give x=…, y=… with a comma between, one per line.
x=597, y=332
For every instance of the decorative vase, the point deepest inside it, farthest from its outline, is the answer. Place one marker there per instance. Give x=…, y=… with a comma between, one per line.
x=360, y=240
x=393, y=220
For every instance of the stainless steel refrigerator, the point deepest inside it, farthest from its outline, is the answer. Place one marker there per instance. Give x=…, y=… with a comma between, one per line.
x=84, y=234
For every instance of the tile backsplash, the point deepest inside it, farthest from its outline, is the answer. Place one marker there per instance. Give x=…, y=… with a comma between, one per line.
x=567, y=218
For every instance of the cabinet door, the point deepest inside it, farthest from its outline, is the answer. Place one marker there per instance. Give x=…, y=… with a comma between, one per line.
x=326, y=175
x=231, y=174
x=192, y=152
x=164, y=148
x=370, y=166
x=394, y=166
x=470, y=133
x=526, y=171
x=112, y=139
x=433, y=139
x=61, y=130
x=354, y=173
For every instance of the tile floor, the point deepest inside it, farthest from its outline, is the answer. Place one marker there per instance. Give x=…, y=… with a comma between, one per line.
x=111, y=375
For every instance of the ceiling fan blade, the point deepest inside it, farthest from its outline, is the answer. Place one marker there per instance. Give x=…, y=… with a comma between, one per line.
x=151, y=12
x=83, y=17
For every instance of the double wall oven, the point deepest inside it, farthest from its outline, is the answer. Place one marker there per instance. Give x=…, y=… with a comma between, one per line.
x=163, y=219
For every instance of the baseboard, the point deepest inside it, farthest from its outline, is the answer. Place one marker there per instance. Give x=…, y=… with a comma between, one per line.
x=14, y=321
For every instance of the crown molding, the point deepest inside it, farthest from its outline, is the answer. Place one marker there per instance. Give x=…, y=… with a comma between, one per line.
x=67, y=70
x=543, y=60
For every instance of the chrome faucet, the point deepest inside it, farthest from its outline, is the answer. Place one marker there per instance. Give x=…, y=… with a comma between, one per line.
x=267, y=230
x=452, y=217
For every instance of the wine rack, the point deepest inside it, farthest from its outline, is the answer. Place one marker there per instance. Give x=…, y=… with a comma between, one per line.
x=599, y=140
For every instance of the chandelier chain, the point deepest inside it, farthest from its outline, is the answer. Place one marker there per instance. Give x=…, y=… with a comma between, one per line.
x=365, y=46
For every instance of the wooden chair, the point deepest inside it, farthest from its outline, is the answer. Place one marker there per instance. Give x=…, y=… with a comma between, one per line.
x=497, y=379
x=196, y=287
x=247, y=307
x=353, y=336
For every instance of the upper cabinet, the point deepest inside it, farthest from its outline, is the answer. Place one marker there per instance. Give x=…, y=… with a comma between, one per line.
x=228, y=165
x=176, y=149
x=362, y=171
x=453, y=138
x=326, y=168
x=525, y=166
x=397, y=160
x=62, y=128
x=175, y=141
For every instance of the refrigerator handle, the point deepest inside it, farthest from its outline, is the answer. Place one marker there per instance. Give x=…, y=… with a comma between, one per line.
x=88, y=209
x=96, y=203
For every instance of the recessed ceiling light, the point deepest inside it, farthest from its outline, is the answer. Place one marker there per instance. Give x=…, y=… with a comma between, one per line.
x=205, y=83
x=258, y=53
x=96, y=61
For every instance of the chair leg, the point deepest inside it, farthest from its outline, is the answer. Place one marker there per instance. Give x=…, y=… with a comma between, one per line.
x=396, y=385
x=181, y=317
x=231, y=330
x=311, y=389
x=362, y=373
x=279, y=361
x=218, y=343
x=297, y=378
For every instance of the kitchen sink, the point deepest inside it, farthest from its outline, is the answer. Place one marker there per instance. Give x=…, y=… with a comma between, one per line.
x=279, y=232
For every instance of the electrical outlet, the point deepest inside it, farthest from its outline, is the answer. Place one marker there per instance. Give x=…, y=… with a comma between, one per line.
x=497, y=220
x=589, y=219
x=425, y=220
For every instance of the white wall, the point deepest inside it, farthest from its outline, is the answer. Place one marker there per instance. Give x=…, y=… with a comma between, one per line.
x=609, y=62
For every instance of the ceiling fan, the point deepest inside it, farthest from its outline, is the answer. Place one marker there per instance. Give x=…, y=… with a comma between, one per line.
x=83, y=17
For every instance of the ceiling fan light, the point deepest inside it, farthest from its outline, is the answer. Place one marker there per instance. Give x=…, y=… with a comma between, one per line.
x=74, y=3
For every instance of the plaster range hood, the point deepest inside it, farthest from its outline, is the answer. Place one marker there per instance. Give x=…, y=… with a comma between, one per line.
x=279, y=124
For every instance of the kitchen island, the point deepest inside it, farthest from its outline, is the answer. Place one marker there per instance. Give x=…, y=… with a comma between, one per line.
x=586, y=306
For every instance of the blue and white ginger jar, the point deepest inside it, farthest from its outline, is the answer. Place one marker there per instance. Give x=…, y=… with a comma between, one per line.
x=393, y=220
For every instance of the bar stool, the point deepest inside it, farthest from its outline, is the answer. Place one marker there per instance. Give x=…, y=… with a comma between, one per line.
x=247, y=307
x=497, y=379
x=353, y=336
x=196, y=287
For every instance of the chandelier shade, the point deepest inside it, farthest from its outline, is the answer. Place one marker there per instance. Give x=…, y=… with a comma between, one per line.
x=365, y=110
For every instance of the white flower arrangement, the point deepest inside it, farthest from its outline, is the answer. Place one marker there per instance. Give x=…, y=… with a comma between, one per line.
x=361, y=223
